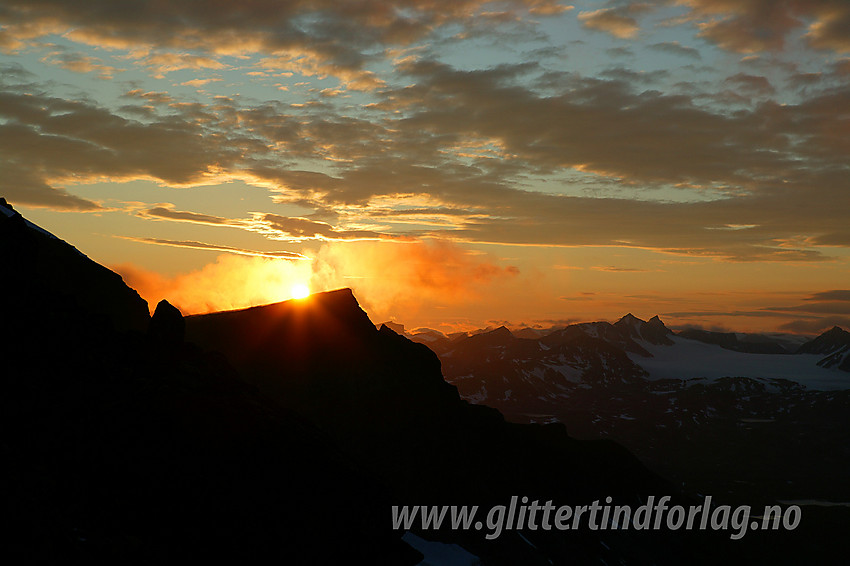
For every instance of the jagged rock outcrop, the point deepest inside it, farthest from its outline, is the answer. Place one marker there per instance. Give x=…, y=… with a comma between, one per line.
x=167, y=325
x=652, y=331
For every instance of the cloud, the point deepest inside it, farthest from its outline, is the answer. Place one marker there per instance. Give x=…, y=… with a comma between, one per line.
x=301, y=229
x=835, y=295
x=748, y=26
x=615, y=269
x=273, y=226
x=818, y=307
x=822, y=311
x=752, y=26
x=315, y=37
x=676, y=48
x=619, y=22
x=20, y=185
x=743, y=161
x=77, y=62
x=466, y=144
x=751, y=84
x=408, y=277
x=216, y=247
x=167, y=212
x=309, y=64
x=627, y=75
x=200, y=82
x=831, y=31
x=620, y=52
x=815, y=326
x=546, y=8
x=47, y=142
x=803, y=81
x=160, y=64
x=738, y=313
x=645, y=137
x=232, y=282
x=386, y=277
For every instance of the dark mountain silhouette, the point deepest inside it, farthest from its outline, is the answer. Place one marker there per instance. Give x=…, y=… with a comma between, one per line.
x=129, y=446
x=527, y=333
x=62, y=283
x=625, y=334
x=730, y=341
x=125, y=447
x=384, y=400
x=758, y=438
x=491, y=338
x=283, y=433
x=167, y=325
x=653, y=331
x=834, y=344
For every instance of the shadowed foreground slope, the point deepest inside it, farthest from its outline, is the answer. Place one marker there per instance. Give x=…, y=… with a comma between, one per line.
x=383, y=399
x=284, y=436
x=135, y=448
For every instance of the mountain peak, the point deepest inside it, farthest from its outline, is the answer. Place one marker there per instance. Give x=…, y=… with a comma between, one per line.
x=167, y=324
x=69, y=288
x=631, y=323
x=501, y=332
x=835, y=333
x=653, y=331
x=497, y=337
x=337, y=300
x=831, y=341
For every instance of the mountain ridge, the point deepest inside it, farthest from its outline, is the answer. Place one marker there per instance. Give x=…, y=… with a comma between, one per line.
x=65, y=281
x=186, y=439
x=305, y=393
x=124, y=444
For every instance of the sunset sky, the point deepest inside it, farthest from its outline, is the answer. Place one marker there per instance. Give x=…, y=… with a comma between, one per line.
x=458, y=163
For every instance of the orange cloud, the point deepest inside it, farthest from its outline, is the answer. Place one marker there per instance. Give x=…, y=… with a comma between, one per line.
x=232, y=282
x=389, y=279
x=619, y=22
x=752, y=26
x=160, y=64
x=405, y=278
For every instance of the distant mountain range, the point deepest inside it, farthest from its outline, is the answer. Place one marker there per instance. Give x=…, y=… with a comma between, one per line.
x=747, y=416
x=634, y=348
x=285, y=432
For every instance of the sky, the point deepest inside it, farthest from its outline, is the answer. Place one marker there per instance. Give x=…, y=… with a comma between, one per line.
x=457, y=163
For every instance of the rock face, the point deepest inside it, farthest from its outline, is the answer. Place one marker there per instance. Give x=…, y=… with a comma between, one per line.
x=63, y=282
x=730, y=341
x=132, y=448
x=652, y=331
x=834, y=345
x=167, y=325
x=384, y=400
x=278, y=434
x=827, y=343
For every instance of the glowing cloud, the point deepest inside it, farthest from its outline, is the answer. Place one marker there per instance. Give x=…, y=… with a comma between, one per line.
x=232, y=282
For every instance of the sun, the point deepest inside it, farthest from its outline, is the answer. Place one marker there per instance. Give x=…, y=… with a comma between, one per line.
x=300, y=291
